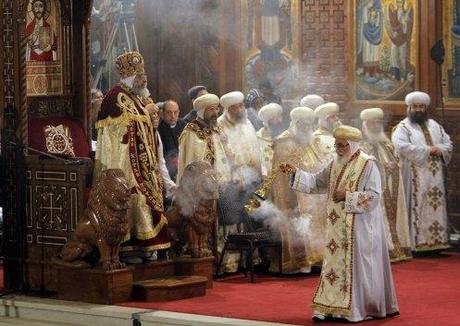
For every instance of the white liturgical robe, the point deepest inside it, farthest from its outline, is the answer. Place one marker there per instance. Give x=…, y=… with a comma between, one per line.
x=423, y=176
x=356, y=281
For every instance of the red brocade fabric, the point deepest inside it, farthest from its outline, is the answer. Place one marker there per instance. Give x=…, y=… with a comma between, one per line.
x=37, y=138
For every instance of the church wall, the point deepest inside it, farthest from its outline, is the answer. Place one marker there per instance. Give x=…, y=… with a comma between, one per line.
x=203, y=42
x=327, y=57
x=324, y=49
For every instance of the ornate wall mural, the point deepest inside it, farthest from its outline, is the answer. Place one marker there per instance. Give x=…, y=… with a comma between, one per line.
x=385, y=48
x=270, y=44
x=44, y=49
x=451, y=37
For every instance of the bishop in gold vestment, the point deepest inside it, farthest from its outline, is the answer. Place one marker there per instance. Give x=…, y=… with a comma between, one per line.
x=302, y=224
x=127, y=140
x=394, y=208
x=203, y=140
x=328, y=119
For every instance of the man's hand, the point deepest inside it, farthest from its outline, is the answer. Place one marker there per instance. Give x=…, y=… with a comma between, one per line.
x=287, y=168
x=435, y=151
x=339, y=196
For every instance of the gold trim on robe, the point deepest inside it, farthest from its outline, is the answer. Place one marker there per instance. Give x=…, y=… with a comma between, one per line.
x=334, y=293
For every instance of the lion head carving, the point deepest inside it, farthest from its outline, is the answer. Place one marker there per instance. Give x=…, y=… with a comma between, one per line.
x=194, y=209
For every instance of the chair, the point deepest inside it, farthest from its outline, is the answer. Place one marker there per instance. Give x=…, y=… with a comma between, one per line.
x=247, y=241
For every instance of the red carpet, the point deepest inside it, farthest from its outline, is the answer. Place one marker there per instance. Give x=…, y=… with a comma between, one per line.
x=428, y=292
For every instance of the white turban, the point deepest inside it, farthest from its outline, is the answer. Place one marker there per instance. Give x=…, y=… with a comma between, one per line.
x=302, y=113
x=270, y=111
x=203, y=102
x=325, y=110
x=231, y=98
x=371, y=114
x=312, y=101
x=417, y=97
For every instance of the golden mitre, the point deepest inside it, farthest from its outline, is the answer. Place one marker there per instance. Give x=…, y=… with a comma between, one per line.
x=130, y=64
x=348, y=133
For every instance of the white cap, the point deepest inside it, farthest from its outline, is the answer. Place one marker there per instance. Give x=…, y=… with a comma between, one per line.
x=326, y=109
x=302, y=113
x=270, y=111
x=231, y=98
x=203, y=102
x=311, y=101
x=418, y=97
x=371, y=114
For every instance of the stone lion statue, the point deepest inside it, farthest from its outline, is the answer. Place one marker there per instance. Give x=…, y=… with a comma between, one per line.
x=103, y=225
x=193, y=213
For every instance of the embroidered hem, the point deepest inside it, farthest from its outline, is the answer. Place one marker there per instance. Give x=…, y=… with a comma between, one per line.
x=428, y=247
x=326, y=310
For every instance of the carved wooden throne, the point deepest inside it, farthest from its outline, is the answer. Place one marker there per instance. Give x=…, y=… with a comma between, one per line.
x=56, y=193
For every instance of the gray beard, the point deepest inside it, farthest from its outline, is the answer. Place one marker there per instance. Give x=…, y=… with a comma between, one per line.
x=241, y=119
x=332, y=126
x=141, y=92
x=342, y=160
x=211, y=122
x=302, y=137
x=376, y=138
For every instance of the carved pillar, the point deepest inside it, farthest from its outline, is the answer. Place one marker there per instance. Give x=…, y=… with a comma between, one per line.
x=12, y=156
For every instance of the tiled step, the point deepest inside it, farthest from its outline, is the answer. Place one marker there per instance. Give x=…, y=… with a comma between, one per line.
x=31, y=311
x=170, y=288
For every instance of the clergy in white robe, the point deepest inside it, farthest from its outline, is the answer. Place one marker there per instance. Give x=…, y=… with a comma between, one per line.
x=377, y=144
x=240, y=133
x=302, y=223
x=246, y=170
x=425, y=150
x=356, y=282
x=272, y=117
x=328, y=119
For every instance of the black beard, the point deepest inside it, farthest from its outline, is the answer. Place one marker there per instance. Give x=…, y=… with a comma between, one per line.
x=418, y=117
x=211, y=122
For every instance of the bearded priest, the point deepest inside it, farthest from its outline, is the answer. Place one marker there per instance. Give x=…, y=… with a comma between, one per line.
x=356, y=282
x=425, y=150
x=301, y=225
x=272, y=118
x=377, y=143
x=127, y=139
x=328, y=119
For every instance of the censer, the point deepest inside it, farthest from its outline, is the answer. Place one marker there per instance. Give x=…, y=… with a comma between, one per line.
x=261, y=193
